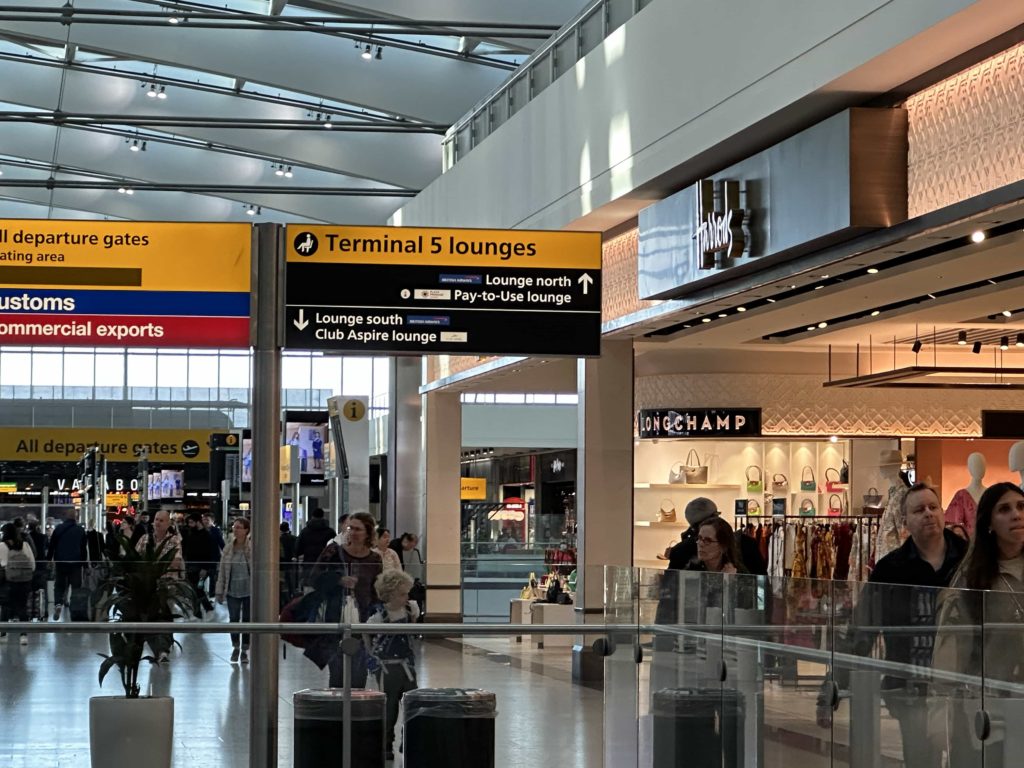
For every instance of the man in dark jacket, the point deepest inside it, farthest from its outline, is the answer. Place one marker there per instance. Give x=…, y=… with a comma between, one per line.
x=201, y=556
x=67, y=550
x=903, y=593
x=288, y=552
x=312, y=540
x=697, y=511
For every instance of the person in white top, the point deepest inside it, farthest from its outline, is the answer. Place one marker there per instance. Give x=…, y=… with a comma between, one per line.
x=387, y=555
x=19, y=565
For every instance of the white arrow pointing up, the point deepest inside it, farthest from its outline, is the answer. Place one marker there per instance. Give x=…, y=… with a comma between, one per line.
x=302, y=322
x=586, y=281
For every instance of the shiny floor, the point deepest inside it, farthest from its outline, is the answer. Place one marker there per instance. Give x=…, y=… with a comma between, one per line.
x=45, y=688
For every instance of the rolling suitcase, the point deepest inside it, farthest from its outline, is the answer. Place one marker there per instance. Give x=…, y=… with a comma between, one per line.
x=81, y=604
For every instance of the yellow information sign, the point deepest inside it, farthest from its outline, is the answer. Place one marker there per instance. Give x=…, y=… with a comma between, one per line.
x=124, y=256
x=473, y=488
x=119, y=445
x=444, y=247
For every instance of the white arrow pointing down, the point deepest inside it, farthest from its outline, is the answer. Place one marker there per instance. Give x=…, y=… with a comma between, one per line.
x=302, y=322
x=586, y=281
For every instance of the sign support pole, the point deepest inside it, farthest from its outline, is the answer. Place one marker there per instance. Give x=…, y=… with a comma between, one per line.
x=266, y=501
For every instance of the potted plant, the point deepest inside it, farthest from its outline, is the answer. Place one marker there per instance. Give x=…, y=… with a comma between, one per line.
x=142, y=586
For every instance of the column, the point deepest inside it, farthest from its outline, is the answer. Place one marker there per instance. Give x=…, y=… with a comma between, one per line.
x=441, y=544
x=604, y=486
x=403, y=494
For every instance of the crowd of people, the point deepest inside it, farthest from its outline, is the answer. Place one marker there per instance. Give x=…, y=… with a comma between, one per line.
x=942, y=601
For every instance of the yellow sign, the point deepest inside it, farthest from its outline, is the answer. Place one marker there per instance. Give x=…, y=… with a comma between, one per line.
x=8, y=487
x=288, y=471
x=172, y=446
x=353, y=410
x=120, y=499
x=125, y=256
x=473, y=488
x=444, y=247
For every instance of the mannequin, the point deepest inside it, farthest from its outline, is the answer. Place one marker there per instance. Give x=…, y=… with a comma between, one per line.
x=963, y=508
x=890, y=529
x=1017, y=459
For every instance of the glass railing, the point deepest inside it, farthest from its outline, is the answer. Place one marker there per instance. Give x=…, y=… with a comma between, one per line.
x=636, y=668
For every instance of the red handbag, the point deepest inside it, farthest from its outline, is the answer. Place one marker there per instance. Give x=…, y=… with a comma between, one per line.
x=833, y=484
x=835, y=504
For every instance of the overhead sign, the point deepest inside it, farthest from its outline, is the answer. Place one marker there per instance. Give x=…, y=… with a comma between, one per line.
x=124, y=284
x=162, y=445
x=448, y=291
x=473, y=488
x=699, y=422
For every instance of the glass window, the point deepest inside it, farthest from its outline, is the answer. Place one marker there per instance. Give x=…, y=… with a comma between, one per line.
x=295, y=372
x=79, y=370
x=172, y=370
x=141, y=369
x=234, y=371
x=327, y=374
x=381, y=381
x=110, y=369
x=47, y=369
x=517, y=399
x=202, y=371
x=15, y=368
x=567, y=399
x=357, y=376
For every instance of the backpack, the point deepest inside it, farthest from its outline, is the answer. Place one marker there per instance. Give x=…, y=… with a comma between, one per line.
x=19, y=566
x=387, y=646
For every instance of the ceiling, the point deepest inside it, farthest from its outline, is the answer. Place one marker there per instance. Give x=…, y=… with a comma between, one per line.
x=241, y=91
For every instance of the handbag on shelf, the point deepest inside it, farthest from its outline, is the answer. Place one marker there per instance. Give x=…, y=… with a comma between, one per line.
x=844, y=473
x=780, y=484
x=873, y=498
x=676, y=475
x=667, y=513
x=807, y=481
x=694, y=472
x=755, y=486
x=835, y=504
x=833, y=484
x=753, y=508
x=807, y=508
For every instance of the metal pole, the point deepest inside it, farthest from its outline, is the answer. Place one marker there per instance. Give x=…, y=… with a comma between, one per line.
x=266, y=503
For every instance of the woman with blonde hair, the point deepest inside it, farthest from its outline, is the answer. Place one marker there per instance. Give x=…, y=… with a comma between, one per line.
x=234, y=584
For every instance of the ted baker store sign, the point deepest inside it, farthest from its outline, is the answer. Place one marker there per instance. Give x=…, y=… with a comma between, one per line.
x=699, y=422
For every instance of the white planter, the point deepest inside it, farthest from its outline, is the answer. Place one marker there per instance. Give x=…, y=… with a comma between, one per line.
x=131, y=732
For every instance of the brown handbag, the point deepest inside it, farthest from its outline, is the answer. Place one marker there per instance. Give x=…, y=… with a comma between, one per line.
x=667, y=515
x=695, y=472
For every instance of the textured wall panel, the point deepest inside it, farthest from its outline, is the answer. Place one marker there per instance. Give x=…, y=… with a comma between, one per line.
x=620, y=296
x=799, y=405
x=966, y=133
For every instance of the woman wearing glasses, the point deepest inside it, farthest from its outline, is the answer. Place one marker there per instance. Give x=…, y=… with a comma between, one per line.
x=347, y=568
x=717, y=550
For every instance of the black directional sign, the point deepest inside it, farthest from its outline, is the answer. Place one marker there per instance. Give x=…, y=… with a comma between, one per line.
x=443, y=291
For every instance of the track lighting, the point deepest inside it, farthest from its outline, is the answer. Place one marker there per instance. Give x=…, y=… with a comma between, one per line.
x=252, y=210
x=976, y=349
x=328, y=124
x=152, y=91
x=162, y=93
x=961, y=338
x=1004, y=343
x=916, y=346
x=380, y=53
x=367, y=52
x=278, y=169
x=288, y=172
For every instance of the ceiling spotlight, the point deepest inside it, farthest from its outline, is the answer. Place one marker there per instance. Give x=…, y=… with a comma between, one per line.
x=876, y=313
x=380, y=53
x=741, y=309
x=278, y=169
x=162, y=94
x=977, y=237
x=823, y=324
x=872, y=270
x=770, y=301
x=121, y=190
x=250, y=210
x=818, y=287
x=173, y=20
x=1020, y=339
x=134, y=145
x=152, y=91
x=129, y=191
x=976, y=349
x=824, y=277
x=811, y=327
x=834, y=439
x=1007, y=313
x=722, y=314
x=1004, y=343
x=706, y=320
x=961, y=338
x=916, y=346
x=367, y=52
x=328, y=124
x=288, y=172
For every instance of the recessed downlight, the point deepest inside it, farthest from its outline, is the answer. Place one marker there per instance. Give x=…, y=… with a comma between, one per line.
x=872, y=270
x=722, y=314
x=876, y=313
x=818, y=287
x=977, y=236
x=1007, y=313
x=961, y=338
x=812, y=327
x=741, y=309
x=705, y=320
x=823, y=324
x=770, y=301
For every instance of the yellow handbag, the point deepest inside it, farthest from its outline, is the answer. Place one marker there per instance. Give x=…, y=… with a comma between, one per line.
x=667, y=513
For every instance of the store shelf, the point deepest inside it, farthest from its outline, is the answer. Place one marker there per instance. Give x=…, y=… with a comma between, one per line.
x=656, y=524
x=684, y=486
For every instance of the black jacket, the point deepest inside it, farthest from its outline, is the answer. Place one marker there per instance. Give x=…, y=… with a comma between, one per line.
x=313, y=539
x=903, y=591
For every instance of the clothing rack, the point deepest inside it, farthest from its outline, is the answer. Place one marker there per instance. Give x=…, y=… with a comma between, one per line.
x=865, y=534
